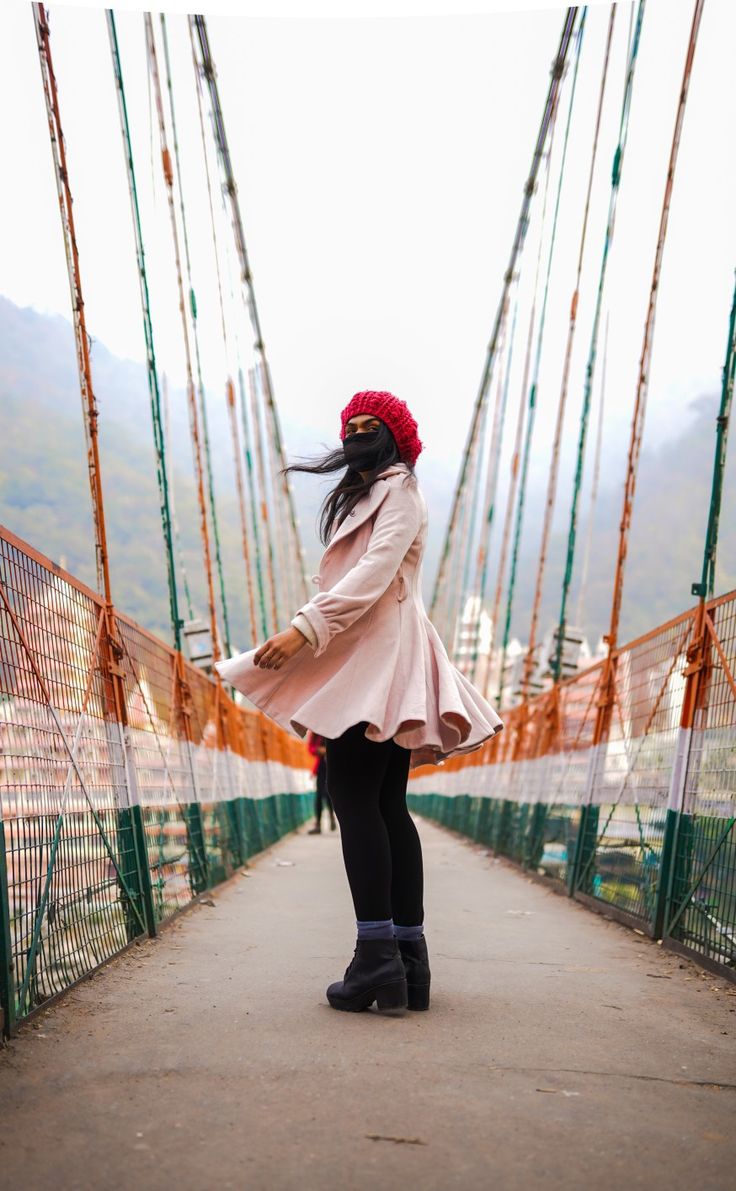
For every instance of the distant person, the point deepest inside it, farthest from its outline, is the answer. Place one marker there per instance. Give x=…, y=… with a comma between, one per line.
x=316, y=746
x=362, y=665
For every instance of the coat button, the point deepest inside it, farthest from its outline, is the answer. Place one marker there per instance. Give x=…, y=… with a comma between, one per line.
x=352, y=512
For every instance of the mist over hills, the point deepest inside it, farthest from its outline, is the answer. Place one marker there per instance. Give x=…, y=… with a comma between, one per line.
x=44, y=495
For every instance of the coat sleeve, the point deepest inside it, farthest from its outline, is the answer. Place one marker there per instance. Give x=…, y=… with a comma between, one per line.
x=300, y=622
x=398, y=521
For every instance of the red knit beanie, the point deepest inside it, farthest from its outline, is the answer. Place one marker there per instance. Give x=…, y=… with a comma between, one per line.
x=394, y=412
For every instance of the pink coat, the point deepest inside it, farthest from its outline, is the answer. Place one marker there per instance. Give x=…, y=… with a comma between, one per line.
x=377, y=655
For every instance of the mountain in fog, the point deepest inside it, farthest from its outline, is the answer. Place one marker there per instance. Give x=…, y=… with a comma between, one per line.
x=44, y=495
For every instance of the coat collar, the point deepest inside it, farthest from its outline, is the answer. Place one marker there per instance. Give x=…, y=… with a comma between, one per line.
x=367, y=506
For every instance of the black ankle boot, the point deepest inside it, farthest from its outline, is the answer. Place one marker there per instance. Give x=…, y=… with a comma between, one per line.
x=416, y=965
x=375, y=973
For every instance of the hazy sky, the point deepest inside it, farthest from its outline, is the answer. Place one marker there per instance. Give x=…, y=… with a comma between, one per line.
x=380, y=164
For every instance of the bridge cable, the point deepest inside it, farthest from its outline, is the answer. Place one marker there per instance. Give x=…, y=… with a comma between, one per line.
x=250, y=431
x=271, y=544
x=251, y=474
x=81, y=335
x=278, y=573
x=454, y=594
x=533, y=389
x=564, y=386
x=519, y=434
x=230, y=390
x=289, y=595
x=172, y=498
x=617, y=168
x=492, y=476
x=168, y=173
x=195, y=335
x=705, y=588
x=518, y=241
x=642, y=387
x=466, y=530
x=580, y=611
x=254, y=390
x=484, y=462
x=164, y=381
x=208, y=69
x=159, y=441
x=451, y=611
x=265, y=517
x=251, y=421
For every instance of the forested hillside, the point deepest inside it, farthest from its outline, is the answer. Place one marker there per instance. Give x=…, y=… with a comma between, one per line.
x=44, y=496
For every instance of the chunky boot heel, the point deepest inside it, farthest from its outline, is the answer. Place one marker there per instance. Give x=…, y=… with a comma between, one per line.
x=393, y=996
x=375, y=973
x=415, y=958
x=418, y=996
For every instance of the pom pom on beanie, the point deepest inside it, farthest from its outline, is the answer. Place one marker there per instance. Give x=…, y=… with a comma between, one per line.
x=394, y=413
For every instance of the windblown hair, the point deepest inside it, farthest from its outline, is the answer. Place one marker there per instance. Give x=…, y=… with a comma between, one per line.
x=341, y=499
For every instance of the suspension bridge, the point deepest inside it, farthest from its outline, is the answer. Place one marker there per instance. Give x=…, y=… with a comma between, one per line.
x=135, y=786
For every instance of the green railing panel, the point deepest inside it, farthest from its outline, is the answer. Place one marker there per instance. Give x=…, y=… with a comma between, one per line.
x=254, y=836
x=71, y=900
x=221, y=847
x=7, y=981
x=702, y=907
x=166, y=835
x=136, y=873
x=95, y=906
x=196, y=842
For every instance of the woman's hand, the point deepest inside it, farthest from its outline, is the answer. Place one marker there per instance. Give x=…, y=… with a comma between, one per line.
x=278, y=649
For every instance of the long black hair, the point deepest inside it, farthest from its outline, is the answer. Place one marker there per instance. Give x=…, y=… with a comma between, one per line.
x=341, y=499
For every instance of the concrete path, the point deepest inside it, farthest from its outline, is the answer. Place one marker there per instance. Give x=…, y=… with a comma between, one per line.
x=561, y=1051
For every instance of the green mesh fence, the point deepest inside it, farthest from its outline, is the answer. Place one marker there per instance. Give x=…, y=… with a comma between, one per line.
x=642, y=825
x=109, y=825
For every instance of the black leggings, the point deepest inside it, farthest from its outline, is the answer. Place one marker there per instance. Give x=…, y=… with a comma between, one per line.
x=380, y=845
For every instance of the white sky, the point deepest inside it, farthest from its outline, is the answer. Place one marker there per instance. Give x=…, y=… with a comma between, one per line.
x=380, y=164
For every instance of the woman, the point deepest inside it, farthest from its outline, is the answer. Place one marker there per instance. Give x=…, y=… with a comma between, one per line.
x=362, y=666
x=316, y=746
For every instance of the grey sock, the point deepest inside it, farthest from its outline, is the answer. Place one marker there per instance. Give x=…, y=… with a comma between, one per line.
x=409, y=934
x=382, y=928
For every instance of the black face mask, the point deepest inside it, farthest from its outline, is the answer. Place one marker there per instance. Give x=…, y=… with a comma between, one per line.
x=361, y=451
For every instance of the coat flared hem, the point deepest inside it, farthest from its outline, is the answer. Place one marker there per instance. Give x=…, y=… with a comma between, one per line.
x=456, y=729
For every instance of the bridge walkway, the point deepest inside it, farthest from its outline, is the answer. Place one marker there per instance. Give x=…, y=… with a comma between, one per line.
x=561, y=1050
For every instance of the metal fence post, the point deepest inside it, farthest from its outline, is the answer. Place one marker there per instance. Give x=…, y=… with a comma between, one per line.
x=503, y=838
x=235, y=816
x=198, y=863
x=534, y=848
x=133, y=850
x=235, y=832
x=678, y=825
x=236, y=823
x=675, y=809
x=587, y=826
x=196, y=844
x=484, y=811
x=586, y=844
x=7, y=969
